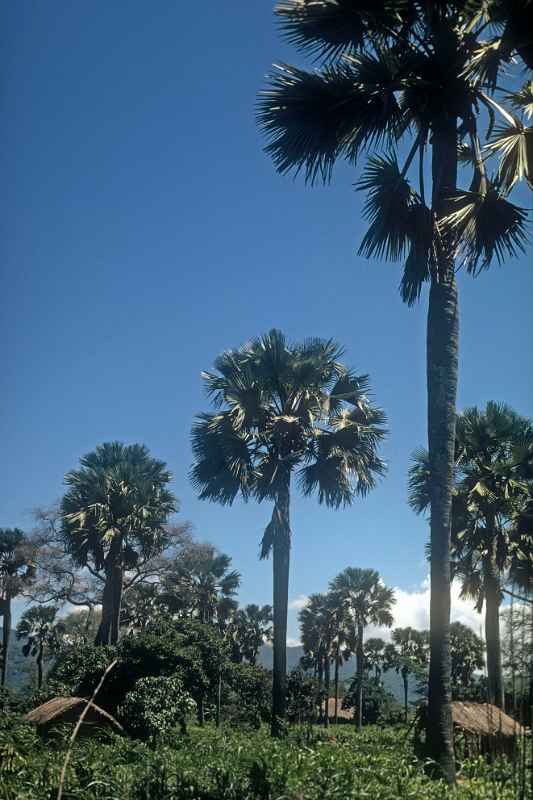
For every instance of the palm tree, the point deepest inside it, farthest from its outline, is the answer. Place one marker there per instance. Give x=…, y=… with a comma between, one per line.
x=489, y=485
x=426, y=74
x=17, y=570
x=407, y=655
x=114, y=518
x=284, y=410
x=253, y=627
x=367, y=602
x=322, y=626
x=38, y=626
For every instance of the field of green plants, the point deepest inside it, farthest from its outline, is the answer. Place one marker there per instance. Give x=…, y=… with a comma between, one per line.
x=238, y=765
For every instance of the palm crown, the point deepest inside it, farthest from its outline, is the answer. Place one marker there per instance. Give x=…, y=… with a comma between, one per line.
x=367, y=600
x=119, y=492
x=283, y=408
x=389, y=71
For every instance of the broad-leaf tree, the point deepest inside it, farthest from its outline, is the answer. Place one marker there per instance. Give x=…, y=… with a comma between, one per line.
x=17, y=569
x=38, y=626
x=367, y=601
x=374, y=655
x=252, y=628
x=467, y=651
x=420, y=79
x=114, y=519
x=285, y=414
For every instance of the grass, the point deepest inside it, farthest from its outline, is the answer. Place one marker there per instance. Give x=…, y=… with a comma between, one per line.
x=237, y=765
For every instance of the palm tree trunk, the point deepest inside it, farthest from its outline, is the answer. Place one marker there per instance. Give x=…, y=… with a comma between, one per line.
x=360, y=658
x=40, y=667
x=6, y=632
x=327, y=665
x=280, y=567
x=492, y=633
x=320, y=683
x=219, y=699
x=405, y=693
x=442, y=356
x=337, y=659
x=117, y=580
x=104, y=628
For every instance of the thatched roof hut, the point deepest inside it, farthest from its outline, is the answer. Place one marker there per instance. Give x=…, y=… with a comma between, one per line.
x=484, y=719
x=343, y=713
x=482, y=727
x=68, y=709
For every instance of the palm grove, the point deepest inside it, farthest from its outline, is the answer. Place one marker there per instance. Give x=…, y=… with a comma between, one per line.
x=412, y=79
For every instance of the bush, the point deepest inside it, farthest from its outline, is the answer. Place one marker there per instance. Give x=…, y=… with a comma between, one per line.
x=379, y=705
x=247, y=695
x=154, y=706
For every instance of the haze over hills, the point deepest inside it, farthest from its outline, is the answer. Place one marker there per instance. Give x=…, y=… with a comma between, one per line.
x=391, y=680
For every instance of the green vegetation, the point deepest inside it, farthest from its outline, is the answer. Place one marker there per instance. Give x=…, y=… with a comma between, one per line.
x=238, y=765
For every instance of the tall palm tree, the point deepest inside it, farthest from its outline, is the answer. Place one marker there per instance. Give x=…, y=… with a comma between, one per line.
x=407, y=654
x=114, y=517
x=17, y=570
x=425, y=73
x=367, y=602
x=38, y=626
x=489, y=485
x=282, y=411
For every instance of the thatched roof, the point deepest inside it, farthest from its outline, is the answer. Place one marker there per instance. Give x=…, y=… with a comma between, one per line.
x=484, y=719
x=344, y=713
x=68, y=709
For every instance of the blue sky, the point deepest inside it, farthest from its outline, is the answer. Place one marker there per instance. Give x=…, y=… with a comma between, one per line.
x=146, y=231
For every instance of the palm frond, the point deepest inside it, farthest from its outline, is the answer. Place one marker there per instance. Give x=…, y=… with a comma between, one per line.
x=484, y=226
x=513, y=145
x=223, y=465
x=314, y=118
x=419, y=484
x=523, y=99
x=387, y=209
x=328, y=29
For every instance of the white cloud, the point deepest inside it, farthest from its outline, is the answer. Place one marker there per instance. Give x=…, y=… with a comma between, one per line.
x=293, y=642
x=412, y=609
x=298, y=602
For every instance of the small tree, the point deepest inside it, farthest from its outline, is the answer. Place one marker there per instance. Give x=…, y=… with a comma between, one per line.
x=155, y=705
x=43, y=635
x=467, y=652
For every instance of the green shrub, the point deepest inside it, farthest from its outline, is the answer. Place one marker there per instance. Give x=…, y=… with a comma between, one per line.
x=155, y=705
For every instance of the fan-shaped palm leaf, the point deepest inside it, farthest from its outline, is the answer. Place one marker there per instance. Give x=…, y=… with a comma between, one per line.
x=513, y=144
x=485, y=225
x=313, y=118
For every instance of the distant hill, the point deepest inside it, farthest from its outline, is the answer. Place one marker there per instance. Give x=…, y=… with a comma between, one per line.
x=20, y=670
x=391, y=680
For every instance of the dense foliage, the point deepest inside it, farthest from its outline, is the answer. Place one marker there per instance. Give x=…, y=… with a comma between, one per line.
x=237, y=765
x=155, y=705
